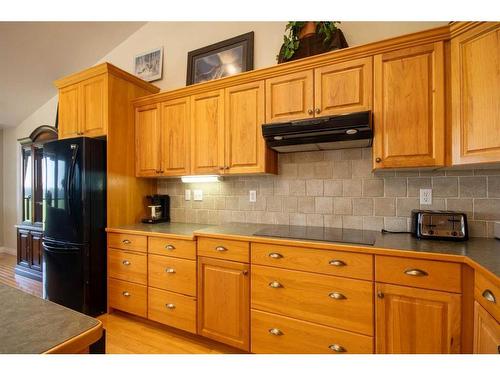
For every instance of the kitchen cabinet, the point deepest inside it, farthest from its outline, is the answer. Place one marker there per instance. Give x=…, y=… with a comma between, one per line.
x=475, y=82
x=29, y=252
x=69, y=109
x=147, y=151
x=486, y=332
x=327, y=90
x=224, y=301
x=408, y=107
x=412, y=320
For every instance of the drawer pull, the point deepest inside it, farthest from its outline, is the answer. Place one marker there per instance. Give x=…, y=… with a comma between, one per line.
x=126, y=242
x=416, y=272
x=489, y=296
x=126, y=294
x=275, y=255
x=170, y=306
x=220, y=248
x=170, y=247
x=169, y=270
x=244, y=272
x=380, y=294
x=275, y=284
x=337, y=348
x=126, y=263
x=276, y=332
x=337, y=295
x=337, y=263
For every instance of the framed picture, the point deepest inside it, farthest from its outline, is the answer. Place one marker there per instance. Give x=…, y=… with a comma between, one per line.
x=149, y=65
x=223, y=59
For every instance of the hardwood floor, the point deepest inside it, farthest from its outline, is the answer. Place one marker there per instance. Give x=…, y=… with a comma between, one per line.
x=126, y=334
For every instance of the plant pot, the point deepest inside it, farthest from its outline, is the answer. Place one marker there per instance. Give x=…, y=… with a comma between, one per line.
x=308, y=29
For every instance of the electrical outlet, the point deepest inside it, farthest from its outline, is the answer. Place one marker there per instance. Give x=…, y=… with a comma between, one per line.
x=252, y=196
x=426, y=196
x=187, y=194
x=197, y=195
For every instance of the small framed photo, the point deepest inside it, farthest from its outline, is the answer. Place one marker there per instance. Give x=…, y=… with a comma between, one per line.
x=149, y=65
x=223, y=59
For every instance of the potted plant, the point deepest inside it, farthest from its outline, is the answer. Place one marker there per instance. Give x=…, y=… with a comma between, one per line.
x=308, y=38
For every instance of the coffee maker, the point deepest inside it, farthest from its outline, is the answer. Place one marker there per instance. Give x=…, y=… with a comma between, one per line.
x=159, y=209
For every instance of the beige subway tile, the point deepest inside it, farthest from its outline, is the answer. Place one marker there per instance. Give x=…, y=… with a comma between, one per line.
x=460, y=204
x=459, y=172
x=323, y=205
x=282, y=218
x=352, y=222
x=384, y=206
x=281, y=187
x=288, y=170
x=472, y=187
x=208, y=202
x=342, y=206
x=445, y=186
x=225, y=216
x=362, y=168
x=494, y=186
x=323, y=169
x=314, y=220
x=290, y=204
x=477, y=228
x=286, y=158
x=395, y=187
x=373, y=188
x=437, y=204
x=362, y=206
x=238, y=216
x=351, y=154
x=333, y=188
x=367, y=153
x=405, y=205
x=314, y=188
x=202, y=216
x=408, y=173
x=486, y=172
x=486, y=209
x=306, y=170
x=297, y=188
x=267, y=217
x=306, y=205
x=417, y=183
x=266, y=186
x=244, y=204
x=178, y=215
x=253, y=216
x=332, y=221
x=190, y=216
x=219, y=202
x=373, y=223
x=342, y=169
x=333, y=154
x=432, y=173
x=274, y=203
x=384, y=173
x=395, y=224
x=232, y=203
x=490, y=229
x=352, y=187
x=297, y=219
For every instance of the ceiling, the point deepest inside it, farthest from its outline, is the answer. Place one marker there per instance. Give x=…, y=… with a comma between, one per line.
x=34, y=54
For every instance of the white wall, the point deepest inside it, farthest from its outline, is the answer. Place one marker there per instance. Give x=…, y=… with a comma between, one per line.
x=177, y=39
x=1, y=189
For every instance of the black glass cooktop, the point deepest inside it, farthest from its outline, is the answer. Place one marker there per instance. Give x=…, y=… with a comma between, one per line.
x=353, y=236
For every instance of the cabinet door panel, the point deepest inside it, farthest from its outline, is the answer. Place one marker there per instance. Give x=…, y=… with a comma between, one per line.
x=147, y=141
x=68, y=112
x=23, y=247
x=289, y=97
x=207, y=133
x=94, y=106
x=486, y=332
x=475, y=62
x=343, y=88
x=409, y=107
x=175, y=137
x=416, y=321
x=36, y=251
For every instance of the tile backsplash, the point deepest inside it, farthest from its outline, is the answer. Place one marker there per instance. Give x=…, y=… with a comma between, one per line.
x=338, y=189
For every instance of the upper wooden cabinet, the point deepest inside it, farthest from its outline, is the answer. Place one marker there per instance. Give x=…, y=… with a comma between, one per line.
x=409, y=107
x=147, y=130
x=475, y=93
x=69, y=109
x=328, y=90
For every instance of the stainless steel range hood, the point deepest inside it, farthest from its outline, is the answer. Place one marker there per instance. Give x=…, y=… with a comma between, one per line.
x=323, y=133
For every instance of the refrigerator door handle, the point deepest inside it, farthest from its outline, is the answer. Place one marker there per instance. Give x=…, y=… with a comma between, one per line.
x=71, y=173
x=57, y=248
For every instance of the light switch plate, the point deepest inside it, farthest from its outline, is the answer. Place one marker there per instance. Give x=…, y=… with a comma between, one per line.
x=252, y=196
x=426, y=196
x=187, y=194
x=197, y=195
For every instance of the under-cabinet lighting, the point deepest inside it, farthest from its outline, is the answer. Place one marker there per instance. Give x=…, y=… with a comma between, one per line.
x=198, y=179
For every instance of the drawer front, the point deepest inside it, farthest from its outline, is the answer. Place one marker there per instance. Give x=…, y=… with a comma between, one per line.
x=174, y=274
x=128, y=266
x=172, y=309
x=172, y=247
x=488, y=295
x=337, y=263
x=128, y=242
x=330, y=300
x=237, y=251
x=276, y=334
x=128, y=297
x=418, y=273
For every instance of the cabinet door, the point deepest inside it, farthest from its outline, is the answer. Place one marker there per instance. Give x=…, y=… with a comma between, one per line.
x=36, y=251
x=147, y=141
x=94, y=108
x=207, y=133
x=224, y=301
x=23, y=247
x=175, y=137
x=290, y=97
x=343, y=88
x=475, y=82
x=69, y=112
x=245, y=147
x=486, y=332
x=416, y=321
x=409, y=107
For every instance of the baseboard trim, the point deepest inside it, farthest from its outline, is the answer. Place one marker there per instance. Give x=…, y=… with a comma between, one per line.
x=7, y=250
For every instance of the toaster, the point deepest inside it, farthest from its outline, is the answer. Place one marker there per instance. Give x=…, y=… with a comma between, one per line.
x=439, y=225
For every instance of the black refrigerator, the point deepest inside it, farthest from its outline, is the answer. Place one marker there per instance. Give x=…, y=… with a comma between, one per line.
x=74, y=239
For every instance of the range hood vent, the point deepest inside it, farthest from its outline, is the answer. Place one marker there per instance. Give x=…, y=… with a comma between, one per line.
x=323, y=133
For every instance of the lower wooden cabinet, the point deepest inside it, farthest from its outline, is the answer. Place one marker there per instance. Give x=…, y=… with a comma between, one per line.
x=486, y=332
x=224, y=301
x=29, y=253
x=128, y=297
x=173, y=309
x=413, y=320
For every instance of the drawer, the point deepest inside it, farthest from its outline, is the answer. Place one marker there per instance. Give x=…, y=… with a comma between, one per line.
x=174, y=274
x=172, y=309
x=337, y=263
x=428, y=274
x=334, y=301
x=487, y=294
x=237, y=251
x=173, y=247
x=128, y=241
x=128, y=297
x=276, y=334
x=128, y=266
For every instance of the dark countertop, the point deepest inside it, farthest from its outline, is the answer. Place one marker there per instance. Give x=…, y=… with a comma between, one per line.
x=31, y=325
x=175, y=229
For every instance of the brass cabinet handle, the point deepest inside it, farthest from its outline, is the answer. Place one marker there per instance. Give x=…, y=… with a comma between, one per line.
x=226, y=167
x=126, y=263
x=310, y=111
x=378, y=160
x=169, y=270
x=489, y=296
x=170, y=247
x=337, y=263
x=415, y=272
x=318, y=111
x=337, y=295
x=170, y=306
x=275, y=284
x=276, y=332
x=337, y=348
x=244, y=272
x=126, y=294
x=380, y=294
x=220, y=248
x=275, y=255
x=126, y=242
